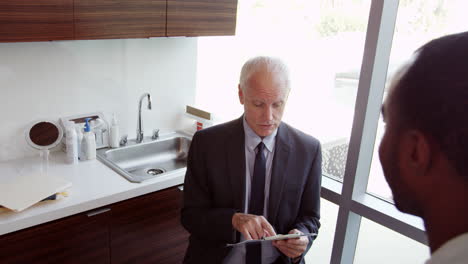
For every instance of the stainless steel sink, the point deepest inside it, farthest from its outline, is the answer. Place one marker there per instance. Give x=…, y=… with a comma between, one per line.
x=149, y=159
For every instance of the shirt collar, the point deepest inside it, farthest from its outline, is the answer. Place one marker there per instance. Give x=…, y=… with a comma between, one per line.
x=252, y=139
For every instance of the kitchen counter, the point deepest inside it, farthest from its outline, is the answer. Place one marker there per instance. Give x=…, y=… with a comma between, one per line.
x=93, y=185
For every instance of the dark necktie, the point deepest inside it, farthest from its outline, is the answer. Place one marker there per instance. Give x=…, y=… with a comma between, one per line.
x=257, y=198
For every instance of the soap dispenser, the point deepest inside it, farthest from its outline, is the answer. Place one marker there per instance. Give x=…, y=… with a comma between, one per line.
x=89, y=142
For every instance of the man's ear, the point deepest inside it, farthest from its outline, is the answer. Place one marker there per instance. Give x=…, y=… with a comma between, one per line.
x=241, y=94
x=414, y=153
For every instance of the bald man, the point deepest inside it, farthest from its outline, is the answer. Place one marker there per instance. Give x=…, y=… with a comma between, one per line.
x=424, y=151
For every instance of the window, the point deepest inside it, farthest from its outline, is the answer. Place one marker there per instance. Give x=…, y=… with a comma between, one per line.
x=321, y=251
x=342, y=54
x=321, y=41
x=377, y=244
x=417, y=23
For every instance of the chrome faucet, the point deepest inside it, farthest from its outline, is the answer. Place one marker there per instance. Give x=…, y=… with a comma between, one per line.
x=139, y=137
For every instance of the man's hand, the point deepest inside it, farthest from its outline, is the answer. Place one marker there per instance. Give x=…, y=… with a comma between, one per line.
x=293, y=247
x=252, y=226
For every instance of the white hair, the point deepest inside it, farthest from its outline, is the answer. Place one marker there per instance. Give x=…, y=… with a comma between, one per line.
x=271, y=64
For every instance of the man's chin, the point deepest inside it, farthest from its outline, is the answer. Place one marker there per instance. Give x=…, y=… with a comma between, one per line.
x=265, y=132
x=407, y=207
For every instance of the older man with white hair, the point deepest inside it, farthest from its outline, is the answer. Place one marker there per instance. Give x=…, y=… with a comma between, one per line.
x=253, y=177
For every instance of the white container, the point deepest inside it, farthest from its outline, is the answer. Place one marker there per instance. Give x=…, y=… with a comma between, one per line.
x=96, y=130
x=79, y=141
x=114, y=133
x=89, y=142
x=89, y=146
x=71, y=143
x=98, y=126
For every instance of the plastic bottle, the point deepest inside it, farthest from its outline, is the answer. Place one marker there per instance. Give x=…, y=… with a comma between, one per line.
x=114, y=133
x=71, y=142
x=95, y=128
x=98, y=129
x=79, y=140
x=89, y=142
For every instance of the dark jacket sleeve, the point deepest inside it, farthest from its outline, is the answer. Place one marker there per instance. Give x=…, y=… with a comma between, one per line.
x=309, y=212
x=309, y=219
x=199, y=217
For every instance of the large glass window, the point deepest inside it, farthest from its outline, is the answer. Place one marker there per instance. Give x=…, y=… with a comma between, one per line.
x=320, y=252
x=417, y=23
x=377, y=244
x=321, y=41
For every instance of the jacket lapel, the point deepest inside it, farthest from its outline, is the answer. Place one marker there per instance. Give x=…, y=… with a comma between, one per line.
x=278, y=172
x=236, y=163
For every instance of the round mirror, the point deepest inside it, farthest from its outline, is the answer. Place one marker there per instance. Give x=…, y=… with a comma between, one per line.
x=44, y=134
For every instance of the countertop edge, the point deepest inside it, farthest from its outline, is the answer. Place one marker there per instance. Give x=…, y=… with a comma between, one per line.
x=58, y=211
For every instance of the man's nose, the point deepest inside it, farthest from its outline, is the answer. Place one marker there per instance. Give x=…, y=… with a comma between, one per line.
x=268, y=113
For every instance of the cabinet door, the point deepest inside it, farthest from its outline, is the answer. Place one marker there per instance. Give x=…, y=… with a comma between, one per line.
x=75, y=239
x=147, y=229
x=36, y=20
x=201, y=17
x=101, y=19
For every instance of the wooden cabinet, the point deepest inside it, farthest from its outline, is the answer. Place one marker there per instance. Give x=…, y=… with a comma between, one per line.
x=36, y=20
x=100, y=19
x=201, y=17
x=148, y=230
x=75, y=239
x=42, y=20
x=144, y=229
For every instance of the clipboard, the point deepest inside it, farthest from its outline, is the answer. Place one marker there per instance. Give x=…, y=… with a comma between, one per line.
x=272, y=238
x=22, y=191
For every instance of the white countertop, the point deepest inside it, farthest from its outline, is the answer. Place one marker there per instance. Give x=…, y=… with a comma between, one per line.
x=93, y=185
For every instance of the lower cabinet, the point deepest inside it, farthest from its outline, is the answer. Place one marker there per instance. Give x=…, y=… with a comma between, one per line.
x=75, y=239
x=144, y=229
x=147, y=229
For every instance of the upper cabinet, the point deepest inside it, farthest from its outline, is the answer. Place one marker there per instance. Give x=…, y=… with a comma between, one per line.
x=42, y=20
x=101, y=19
x=36, y=20
x=201, y=17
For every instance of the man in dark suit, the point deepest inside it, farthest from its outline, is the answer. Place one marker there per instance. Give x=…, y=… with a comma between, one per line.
x=253, y=177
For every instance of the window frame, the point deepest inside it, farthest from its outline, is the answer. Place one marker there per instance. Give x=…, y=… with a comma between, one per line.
x=351, y=196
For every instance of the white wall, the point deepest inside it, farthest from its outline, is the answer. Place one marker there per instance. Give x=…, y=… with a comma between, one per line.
x=61, y=78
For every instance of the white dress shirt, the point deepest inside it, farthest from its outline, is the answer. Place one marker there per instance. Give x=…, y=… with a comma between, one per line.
x=454, y=251
x=269, y=252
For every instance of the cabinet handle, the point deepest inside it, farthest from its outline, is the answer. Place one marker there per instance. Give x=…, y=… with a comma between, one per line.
x=181, y=188
x=98, y=211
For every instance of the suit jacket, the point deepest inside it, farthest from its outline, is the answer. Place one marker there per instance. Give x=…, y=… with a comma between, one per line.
x=214, y=188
